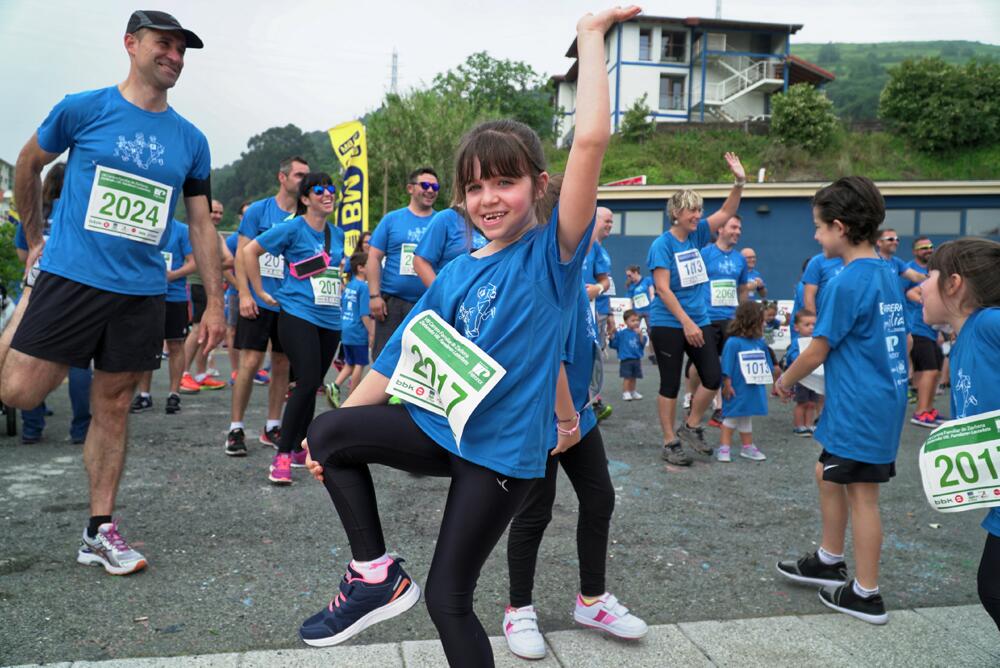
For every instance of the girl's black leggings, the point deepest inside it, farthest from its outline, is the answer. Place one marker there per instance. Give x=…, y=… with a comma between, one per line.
x=587, y=467
x=479, y=507
x=310, y=351
x=988, y=580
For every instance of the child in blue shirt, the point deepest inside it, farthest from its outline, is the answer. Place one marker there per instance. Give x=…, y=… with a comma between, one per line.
x=629, y=342
x=806, y=400
x=746, y=369
x=358, y=330
x=860, y=338
x=962, y=291
x=489, y=325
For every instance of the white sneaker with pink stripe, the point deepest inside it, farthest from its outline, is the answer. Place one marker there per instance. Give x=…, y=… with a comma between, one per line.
x=520, y=627
x=607, y=614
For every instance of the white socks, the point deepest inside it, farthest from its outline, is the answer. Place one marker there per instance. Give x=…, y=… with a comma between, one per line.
x=829, y=558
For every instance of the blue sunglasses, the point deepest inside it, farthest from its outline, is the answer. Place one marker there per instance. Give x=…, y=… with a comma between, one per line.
x=319, y=190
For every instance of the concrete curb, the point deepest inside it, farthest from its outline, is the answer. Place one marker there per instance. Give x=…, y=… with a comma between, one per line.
x=963, y=635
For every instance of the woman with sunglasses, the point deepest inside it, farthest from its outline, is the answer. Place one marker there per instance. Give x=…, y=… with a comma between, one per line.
x=309, y=297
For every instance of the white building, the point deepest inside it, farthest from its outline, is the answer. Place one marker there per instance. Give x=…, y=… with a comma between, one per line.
x=692, y=70
x=6, y=188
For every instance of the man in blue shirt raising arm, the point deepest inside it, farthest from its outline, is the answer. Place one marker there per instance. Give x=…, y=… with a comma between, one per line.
x=100, y=291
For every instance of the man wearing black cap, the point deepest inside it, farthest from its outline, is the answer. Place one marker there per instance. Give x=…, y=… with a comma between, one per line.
x=100, y=293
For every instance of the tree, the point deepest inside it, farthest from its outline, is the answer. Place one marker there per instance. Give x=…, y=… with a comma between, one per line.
x=11, y=267
x=510, y=88
x=828, y=53
x=938, y=107
x=637, y=126
x=803, y=117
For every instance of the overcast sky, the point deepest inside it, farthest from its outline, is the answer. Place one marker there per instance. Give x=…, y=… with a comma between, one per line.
x=316, y=63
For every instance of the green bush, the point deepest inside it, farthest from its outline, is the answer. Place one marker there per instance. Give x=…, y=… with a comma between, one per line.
x=938, y=107
x=803, y=117
x=637, y=127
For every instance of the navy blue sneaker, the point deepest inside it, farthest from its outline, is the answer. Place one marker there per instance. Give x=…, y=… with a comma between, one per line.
x=359, y=605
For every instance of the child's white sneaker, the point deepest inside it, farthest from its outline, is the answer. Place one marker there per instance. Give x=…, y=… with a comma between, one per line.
x=520, y=627
x=687, y=401
x=636, y=396
x=751, y=452
x=722, y=454
x=626, y=396
x=607, y=614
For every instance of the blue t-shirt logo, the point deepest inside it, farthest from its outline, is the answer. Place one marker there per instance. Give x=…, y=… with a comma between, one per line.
x=139, y=151
x=483, y=310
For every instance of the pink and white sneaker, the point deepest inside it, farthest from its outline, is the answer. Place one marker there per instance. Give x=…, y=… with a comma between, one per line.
x=520, y=627
x=298, y=459
x=280, y=472
x=607, y=614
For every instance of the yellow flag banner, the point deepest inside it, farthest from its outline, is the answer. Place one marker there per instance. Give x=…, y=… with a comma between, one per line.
x=348, y=140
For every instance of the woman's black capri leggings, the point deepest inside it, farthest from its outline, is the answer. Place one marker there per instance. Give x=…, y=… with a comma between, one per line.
x=670, y=345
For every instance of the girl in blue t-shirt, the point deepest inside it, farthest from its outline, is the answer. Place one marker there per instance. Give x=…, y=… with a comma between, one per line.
x=746, y=369
x=506, y=301
x=962, y=291
x=309, y=297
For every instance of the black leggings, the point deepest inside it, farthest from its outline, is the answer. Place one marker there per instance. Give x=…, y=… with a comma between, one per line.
x=587, y=468
x=988, y=580
x=310, y=351
x=669, y=344
x=479, y=507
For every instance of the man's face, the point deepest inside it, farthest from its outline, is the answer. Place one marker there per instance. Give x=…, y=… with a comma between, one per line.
x=217, y=211
x=605, y=221
x=732, y=231
x=888, y=243
x=290, y=181
x=421, y=191
x=750, y=256
x=923, y=250
x=157, y=55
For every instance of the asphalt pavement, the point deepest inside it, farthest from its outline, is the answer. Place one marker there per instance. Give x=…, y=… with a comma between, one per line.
x=236, y=563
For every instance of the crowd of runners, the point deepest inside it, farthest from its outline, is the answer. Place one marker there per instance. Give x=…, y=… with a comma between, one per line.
x=496, y=306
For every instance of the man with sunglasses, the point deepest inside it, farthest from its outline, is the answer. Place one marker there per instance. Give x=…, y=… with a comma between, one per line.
x=926, y=355
x=887, y=245
x=396, y=287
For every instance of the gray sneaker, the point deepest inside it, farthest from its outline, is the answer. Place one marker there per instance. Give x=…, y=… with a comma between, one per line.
x=674, y=454
x=694, y=439
x=109, y=549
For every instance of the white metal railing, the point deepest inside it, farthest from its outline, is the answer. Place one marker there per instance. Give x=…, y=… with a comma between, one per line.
x=721, y=92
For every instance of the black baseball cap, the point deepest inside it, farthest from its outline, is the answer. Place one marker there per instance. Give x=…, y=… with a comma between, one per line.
x=148, y=18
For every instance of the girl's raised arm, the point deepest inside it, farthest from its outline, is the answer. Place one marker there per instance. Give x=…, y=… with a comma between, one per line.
x=578, y=198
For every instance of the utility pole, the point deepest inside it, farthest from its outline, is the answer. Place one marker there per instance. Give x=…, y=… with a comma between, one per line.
x=718, y=9
x=395, y=72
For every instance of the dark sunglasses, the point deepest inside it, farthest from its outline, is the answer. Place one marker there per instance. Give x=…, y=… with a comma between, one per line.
x=427, y=185
x=890, y=238
x=319, y=190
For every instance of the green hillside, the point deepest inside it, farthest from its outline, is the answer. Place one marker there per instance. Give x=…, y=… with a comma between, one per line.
x=861, y=69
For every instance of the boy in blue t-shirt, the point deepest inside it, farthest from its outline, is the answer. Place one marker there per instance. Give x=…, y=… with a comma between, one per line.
x=860, y=337
x=629, y=342
x=358, y=330
x=806, y=400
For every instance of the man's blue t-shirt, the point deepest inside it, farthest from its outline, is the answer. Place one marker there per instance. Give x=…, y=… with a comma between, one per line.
x=861, y=317
x=748, y=400
x=798, y=303
x=598, y=261
x=722, y=267
x=397, y=236
x=260, y=217
x=177, y=248
x=447, y=236
x=580, y=349
x=751, y=275
x=297, y=241
x=628, y=343
x=915, y=310
x=108, y=233
x=355, y=306
x=509, y=304
x=975, y=376
x=232, y=242
x=667, y=252
x=639, y=292
x=819, y=271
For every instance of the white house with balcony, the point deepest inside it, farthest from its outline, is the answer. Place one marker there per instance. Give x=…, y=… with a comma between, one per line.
x=692, y=70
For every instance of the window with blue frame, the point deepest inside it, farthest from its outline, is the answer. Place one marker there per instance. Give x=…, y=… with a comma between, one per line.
x=672, y=92
x=645, y=44
x=673, y=46
x=901, y=220
x=982, y=222
x=644, y=223
x=940, y=222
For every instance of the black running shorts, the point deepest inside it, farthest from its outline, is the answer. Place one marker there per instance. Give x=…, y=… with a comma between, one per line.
x=199, y=302
x=845, y=471
x=926, y=354
x=71, y=323
x=176, y=322
x=255, y=334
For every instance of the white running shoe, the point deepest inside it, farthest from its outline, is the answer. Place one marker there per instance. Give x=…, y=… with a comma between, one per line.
x=752, y=452
x=687, y=401
x=626, y=396
x=722, y=454
x=110, y=550
x=636, y=396
x=607, y=614
x=520, y=627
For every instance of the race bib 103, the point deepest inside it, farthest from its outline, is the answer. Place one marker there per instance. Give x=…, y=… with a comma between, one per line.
x=959, y=464
x=690, y=268
x=442, y=371
x=128, y=206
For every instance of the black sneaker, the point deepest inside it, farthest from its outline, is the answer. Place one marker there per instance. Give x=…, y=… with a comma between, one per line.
x=694, y=439
x=236, y=444
x=141, y=404
x=173, y=404
x=810, y=570
x=844, y=599
x=674, y=454
x=270, y=437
